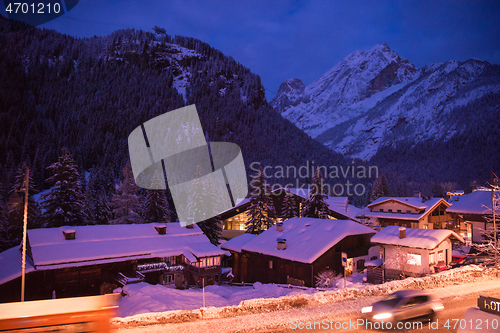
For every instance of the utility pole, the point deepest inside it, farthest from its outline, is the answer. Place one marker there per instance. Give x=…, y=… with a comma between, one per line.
x=24, y=189
x=494, y=183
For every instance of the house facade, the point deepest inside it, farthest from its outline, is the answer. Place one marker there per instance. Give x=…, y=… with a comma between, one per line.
x=91, y=260
x=471, y=211
x=297, y=250
x=411, y=212
x=412, y=252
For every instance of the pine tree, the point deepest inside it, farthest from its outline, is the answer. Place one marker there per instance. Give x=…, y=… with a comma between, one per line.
x=315, y=205
x=97, y=197
x=203, y=201
x=380, y=188
x=15, y=214
x=260, y=210
x=157, y=209
x=289, y=208
x=127, y=204
x=64, y=203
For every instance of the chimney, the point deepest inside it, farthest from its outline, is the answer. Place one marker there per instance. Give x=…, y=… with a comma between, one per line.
x=69, y=234
x=402, y=232
x=190, y=223
x=161, y=229
x=279, y=226
x=281, y=243
x=417, y=194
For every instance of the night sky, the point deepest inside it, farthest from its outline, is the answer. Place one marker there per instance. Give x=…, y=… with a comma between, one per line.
x=279, y=40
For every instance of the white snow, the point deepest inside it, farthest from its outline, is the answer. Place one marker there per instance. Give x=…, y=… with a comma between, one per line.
x=477, y=202
x=107, y=243
x=144, y=298
x=306, y=238
x=237, y=242
x=415, y=238
x=11, y=264
x=343, y=97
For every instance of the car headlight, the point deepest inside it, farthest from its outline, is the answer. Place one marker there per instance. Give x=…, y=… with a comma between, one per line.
x=382, y=316
x=367, y=309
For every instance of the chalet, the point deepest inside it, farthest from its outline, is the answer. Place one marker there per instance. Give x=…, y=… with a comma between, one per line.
x=410, y=252
x=411, y=212
x=298, y=249
x=234, y=219
x=89, y=260
x=470, y=210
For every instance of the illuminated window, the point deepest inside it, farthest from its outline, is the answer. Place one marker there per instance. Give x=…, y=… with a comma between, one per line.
x=203, y=262
x=210, y=261
x=414, y=259
x=270, y=264
x=432, y=258
x=440, y=256
x=217, y=261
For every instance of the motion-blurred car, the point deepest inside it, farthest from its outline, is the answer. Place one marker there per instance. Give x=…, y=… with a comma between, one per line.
x=403, y=305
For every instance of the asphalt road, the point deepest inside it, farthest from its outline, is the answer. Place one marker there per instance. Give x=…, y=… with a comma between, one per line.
x=446, y=321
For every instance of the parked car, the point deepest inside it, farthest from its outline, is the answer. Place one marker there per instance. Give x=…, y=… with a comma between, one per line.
x=403, y=305
x=439, y=267
x=458, y=260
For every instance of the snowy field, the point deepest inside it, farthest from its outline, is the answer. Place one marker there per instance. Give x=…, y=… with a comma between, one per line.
x=145, y=298
x=157, y=304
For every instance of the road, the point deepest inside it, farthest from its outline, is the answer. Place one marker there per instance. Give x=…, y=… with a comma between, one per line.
x=456, y=299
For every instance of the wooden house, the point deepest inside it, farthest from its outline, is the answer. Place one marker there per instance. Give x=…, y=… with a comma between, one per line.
x=470, y=212
x=297, y=250
x=411, y=212
x=90, y=260
x=412, y=252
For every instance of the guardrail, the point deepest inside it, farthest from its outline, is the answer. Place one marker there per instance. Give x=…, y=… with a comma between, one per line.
x=64, y=311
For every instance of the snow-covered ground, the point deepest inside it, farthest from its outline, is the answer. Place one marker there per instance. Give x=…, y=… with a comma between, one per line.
x=147, y=304
x=146, y=298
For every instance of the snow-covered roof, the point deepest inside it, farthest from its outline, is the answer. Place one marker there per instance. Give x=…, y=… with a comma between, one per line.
x=236, y=243
x=374, y=263
x=306, y=238
x=11, y=264
x=472, y=203
x=239, y=202
x=415, y=238
x=107, y=243
x=418, y=203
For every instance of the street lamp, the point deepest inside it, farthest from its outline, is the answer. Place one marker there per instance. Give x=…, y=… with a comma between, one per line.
x=14, y=200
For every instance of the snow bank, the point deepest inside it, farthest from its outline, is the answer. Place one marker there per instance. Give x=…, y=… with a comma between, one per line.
x=147, y=297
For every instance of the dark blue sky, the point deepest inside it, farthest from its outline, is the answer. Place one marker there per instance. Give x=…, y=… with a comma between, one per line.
x=303, y=39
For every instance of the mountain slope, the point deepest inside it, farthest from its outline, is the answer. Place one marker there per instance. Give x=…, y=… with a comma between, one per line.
x=375, y=99
x=89, y=94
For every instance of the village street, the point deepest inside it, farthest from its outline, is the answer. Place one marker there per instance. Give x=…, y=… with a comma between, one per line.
x=456, y=299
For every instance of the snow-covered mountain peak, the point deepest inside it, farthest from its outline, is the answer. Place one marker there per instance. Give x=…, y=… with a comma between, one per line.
x=374, y=98
x=289, y=94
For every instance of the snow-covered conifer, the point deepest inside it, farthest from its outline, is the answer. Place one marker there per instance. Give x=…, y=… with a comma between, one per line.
x=380, y=188
x=127, y=204
x=64, y=203
x=315, y=205
x=289, y=208
x=259, y=214
x=157, y=209
x=203, y=203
